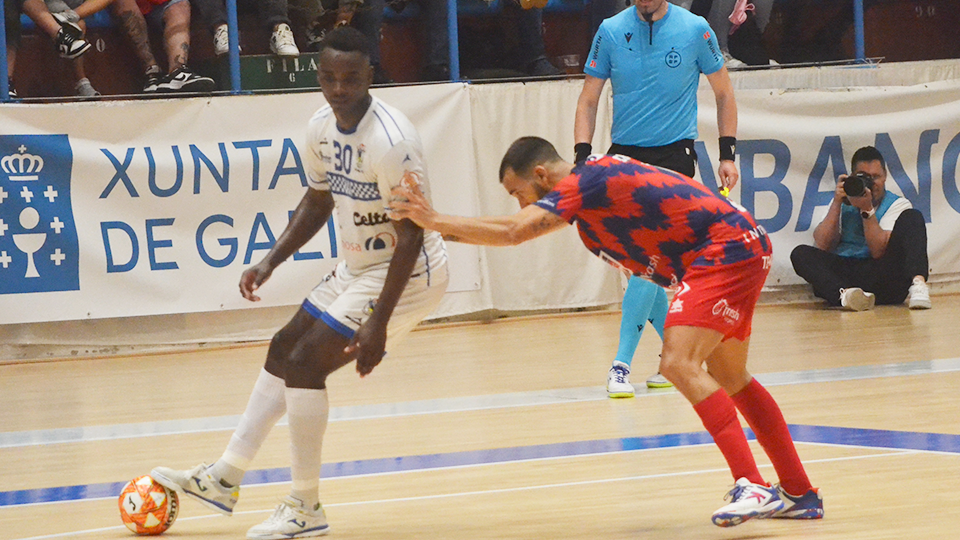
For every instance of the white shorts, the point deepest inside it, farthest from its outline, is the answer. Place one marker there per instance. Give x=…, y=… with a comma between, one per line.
x=345, y=301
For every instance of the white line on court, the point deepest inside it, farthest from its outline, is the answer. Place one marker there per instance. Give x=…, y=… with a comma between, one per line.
x=13, y=439
x=479, y=492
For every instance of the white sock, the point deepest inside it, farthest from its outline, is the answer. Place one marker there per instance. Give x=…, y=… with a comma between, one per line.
x=266, y=406
x=307, y=412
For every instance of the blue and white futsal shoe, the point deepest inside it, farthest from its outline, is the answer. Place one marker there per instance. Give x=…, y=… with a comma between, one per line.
x=200, y=485
x=291, y=520
x=807, y=506
x=618, y=381
x=747, y=501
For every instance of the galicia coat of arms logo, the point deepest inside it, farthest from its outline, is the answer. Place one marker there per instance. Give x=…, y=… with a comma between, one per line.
x=39, y=250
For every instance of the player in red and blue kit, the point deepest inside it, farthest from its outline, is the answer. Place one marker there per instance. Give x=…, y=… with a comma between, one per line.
x=664, y=226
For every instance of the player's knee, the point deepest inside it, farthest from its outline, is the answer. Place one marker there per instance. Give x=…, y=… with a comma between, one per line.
x=671, y=367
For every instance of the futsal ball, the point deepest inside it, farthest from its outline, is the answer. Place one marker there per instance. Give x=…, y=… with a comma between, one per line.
x=146, y=507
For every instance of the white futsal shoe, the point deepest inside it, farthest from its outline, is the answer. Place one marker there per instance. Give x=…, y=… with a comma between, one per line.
x=291, y=520
x=748, y=501
x=618, y=381
x=200, y=485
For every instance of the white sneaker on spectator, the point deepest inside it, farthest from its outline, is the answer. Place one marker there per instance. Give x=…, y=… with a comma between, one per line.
x=731, y=62
x=291, y=520
x=221, y=40
x=919, y=296
x=854, y=299
x=85, y=89
x=282, y=42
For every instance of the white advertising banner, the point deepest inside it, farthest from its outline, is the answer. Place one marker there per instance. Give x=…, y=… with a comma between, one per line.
x=129, y=208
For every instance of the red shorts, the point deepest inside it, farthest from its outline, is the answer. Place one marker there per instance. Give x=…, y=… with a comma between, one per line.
x=720, y=298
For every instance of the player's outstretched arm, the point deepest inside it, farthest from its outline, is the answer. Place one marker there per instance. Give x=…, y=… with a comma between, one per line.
x=527, y=224
x=310, y=216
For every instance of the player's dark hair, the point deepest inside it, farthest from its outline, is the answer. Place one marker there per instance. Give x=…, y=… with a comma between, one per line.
x=867, y=153
x=346, y=39
x=526, y=153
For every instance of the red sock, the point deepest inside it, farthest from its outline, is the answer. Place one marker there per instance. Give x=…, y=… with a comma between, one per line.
x=719, y=416
x=763, y=414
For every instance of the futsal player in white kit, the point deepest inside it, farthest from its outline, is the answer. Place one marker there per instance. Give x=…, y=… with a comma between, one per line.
x=393, y=274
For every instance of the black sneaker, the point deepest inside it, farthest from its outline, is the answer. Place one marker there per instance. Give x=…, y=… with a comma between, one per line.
x=541, y=67
x=436, y=73
x=70, y=40
x=153, y=80
x=380, y=76
x=11, y=91
x=185, y=80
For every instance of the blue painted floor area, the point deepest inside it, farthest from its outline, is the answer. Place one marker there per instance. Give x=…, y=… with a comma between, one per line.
x=863, y=438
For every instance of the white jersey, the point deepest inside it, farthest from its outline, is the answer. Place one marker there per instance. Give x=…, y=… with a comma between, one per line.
x=360, y=168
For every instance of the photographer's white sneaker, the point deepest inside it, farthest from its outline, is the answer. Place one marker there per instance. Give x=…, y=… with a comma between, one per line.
x=919, y=296
x=854, y=299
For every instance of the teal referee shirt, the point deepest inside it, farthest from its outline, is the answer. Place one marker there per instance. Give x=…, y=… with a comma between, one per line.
x=654, y=77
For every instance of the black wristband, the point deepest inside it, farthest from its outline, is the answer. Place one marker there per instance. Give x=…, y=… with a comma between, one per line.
x=581, y=152
x=728, y=148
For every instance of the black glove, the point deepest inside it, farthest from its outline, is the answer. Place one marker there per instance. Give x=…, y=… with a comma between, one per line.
x=581, y=152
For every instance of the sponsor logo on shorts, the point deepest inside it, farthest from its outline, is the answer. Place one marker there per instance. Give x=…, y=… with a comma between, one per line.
x=382, y=240
x=723, y=309
x=677, y=305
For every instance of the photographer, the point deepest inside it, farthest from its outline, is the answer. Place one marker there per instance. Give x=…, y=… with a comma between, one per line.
x=872, y=245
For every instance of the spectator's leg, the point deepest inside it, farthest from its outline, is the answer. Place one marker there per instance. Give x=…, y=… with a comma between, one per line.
x=701, y=7
x=39, y=14
x=212, y=13
x=176, y=34
x=438, y=40
x=828, y=273
x=603, y=9
x=533, y=56
x=134, y=26
x=369, y=21
x=905, y=258
x=719, y=20
x=11, y=11
x=89, y=7
x=530, y=29
x=273, y=12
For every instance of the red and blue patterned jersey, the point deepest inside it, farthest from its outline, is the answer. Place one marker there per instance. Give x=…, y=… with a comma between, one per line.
x=651, y=221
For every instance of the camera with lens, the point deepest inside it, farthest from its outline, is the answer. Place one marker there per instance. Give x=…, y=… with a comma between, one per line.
x=856, y=184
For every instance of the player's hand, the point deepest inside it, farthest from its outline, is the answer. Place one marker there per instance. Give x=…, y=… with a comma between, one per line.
x=252, y=278
x=367, y=346
x=408, y=202
x=728, y=174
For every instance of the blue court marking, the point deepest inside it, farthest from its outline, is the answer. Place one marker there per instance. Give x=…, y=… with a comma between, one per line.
x=873, y=438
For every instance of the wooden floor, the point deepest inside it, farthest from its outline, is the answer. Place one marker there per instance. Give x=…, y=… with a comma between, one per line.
x=504, y=430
